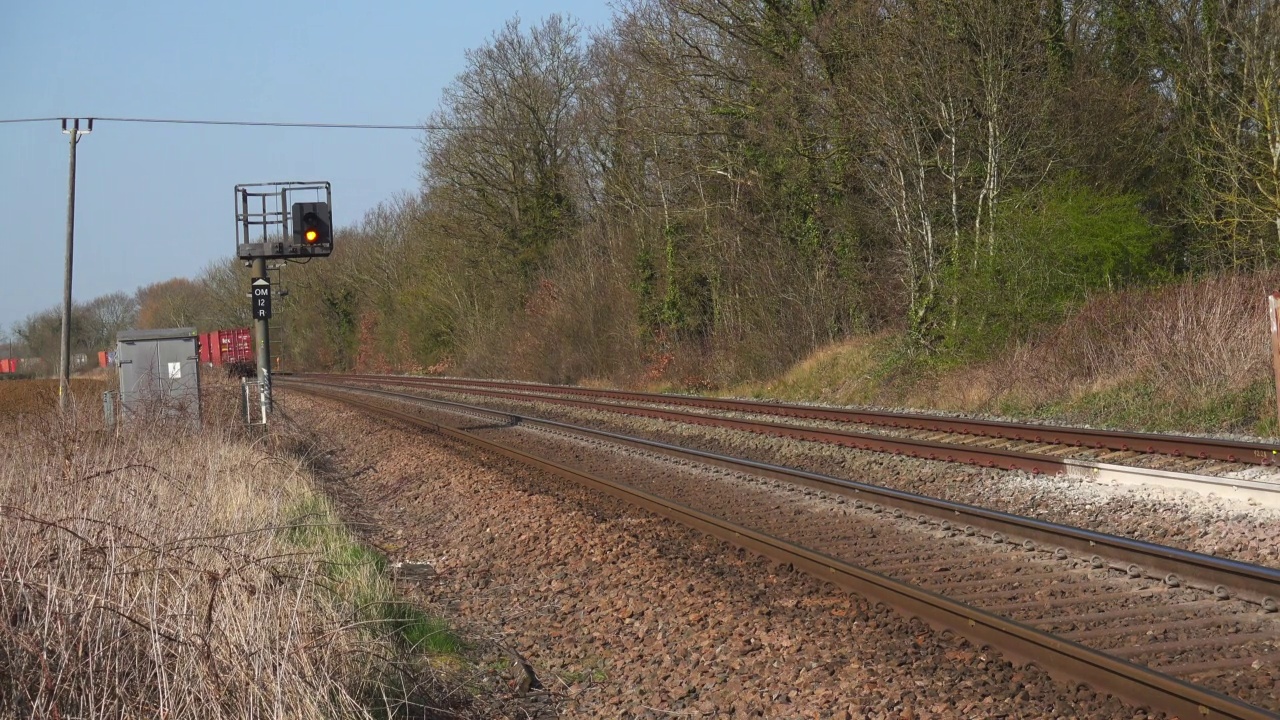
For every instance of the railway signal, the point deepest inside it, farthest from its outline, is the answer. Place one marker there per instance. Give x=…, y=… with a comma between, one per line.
x=272, y=224
x=275, y=222
x=312, y=228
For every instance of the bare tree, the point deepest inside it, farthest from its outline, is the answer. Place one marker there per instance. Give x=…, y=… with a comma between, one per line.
x=505, y=169
x=172, y=303
x=1223, y=64
x=107, y=316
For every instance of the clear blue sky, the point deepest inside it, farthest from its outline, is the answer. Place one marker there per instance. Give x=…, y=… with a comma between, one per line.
x=155, y=201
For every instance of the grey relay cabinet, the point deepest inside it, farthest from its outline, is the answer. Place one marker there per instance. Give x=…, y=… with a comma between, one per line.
x=159, y=373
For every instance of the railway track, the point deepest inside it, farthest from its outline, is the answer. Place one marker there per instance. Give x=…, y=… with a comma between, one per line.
x=1176, y=446
x=1195, y=635
x=1149, y=459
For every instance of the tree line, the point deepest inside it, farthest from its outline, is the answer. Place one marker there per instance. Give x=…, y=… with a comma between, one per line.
x=705, y=190
x=214, y=299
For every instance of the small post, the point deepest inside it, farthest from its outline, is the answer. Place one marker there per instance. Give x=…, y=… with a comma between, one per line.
x=109, y=409
x=1273, y=315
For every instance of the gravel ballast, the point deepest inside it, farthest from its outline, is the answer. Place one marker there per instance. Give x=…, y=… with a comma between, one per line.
x=1214, y=525
x=623, y=614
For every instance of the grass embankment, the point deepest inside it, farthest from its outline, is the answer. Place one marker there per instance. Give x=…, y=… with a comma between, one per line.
x=1191, y=357
x=160, y=572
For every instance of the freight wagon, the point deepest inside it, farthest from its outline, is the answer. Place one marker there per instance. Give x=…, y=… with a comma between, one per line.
x=15, y=366
x=232, y=349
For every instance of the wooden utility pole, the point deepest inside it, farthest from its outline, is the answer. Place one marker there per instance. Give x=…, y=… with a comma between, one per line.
x=64, y=364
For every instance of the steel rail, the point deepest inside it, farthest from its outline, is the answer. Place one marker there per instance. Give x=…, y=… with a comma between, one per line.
x=1056, y=655
x=1254, y=583
x=1240, y=451
x=1263, y=493
x=877, y=442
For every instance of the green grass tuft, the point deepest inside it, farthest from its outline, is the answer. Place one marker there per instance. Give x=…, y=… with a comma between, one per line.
x=356, y=575
x=423, y=632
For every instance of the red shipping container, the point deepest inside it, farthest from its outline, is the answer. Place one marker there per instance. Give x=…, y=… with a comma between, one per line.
x=225, y=349
x=245, y=341
x=229, y=346
x=102, y=358
x=4, y=365
x=203, y=341
x=236, y=345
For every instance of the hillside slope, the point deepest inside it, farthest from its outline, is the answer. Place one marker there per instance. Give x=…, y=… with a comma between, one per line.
x=1185, y=357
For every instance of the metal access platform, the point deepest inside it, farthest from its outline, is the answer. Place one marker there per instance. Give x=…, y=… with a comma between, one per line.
x=265, y=226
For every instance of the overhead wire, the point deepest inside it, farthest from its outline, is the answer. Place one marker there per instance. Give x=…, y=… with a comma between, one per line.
x=248, y=123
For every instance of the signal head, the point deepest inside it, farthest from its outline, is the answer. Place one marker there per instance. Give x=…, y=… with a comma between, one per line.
x=312, y=229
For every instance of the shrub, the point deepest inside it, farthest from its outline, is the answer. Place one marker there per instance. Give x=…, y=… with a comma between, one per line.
x=1052, y=251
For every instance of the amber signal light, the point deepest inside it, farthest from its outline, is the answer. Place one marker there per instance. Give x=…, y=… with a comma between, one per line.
x=312, y=229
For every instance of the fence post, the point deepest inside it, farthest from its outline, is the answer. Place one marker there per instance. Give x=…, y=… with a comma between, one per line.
x=244, y=401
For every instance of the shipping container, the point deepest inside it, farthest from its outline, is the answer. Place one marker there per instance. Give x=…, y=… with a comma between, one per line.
x=232, y=346
x=235, y=346
x=102, y=358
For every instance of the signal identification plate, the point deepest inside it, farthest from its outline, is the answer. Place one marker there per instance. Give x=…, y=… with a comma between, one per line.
x=261, y=299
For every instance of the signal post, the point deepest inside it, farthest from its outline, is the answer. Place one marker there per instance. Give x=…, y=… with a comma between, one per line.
x=260, y=297
x=290, y=221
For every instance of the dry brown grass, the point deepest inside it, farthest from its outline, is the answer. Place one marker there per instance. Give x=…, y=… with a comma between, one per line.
x=1189, y=356
x=23, y=397
x=840, y=372
x=151, y=573
x=1183, y=340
